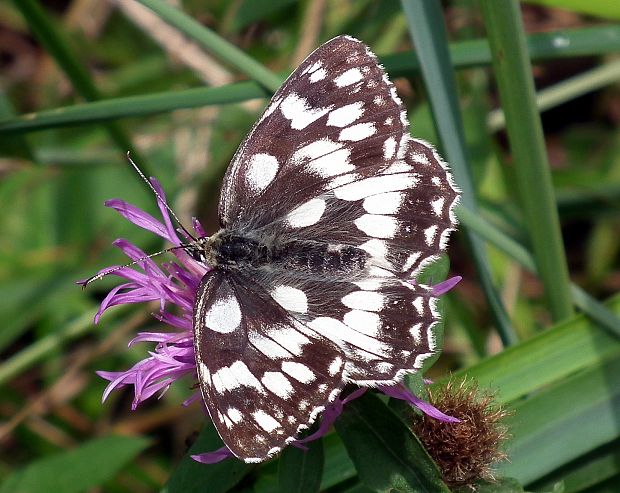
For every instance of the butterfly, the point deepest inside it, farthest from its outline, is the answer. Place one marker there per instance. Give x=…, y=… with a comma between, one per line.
x=327, y=210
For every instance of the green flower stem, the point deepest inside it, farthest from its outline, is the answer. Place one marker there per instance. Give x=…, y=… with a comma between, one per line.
x=533, y=177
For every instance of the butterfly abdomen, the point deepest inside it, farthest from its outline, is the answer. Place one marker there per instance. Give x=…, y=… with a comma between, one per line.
x=320, y=258
x=231, y=250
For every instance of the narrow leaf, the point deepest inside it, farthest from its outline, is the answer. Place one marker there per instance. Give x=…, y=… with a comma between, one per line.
x=387, y=456
x=301, y=471
x=191, y=476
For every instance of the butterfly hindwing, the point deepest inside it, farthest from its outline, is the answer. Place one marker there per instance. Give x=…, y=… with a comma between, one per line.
x=263, y=376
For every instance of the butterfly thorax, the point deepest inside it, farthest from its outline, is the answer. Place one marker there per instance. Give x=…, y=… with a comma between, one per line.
x=230, y=250
x=233, y=250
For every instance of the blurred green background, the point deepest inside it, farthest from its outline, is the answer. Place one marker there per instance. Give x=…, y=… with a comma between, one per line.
x=84, y=81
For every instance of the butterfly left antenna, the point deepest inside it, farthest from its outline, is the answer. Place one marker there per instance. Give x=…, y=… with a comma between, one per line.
x=159, y=197
x=112, y=270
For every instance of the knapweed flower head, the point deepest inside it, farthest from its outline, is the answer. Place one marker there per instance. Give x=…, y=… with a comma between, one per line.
x=174, y=286
x=466, y=451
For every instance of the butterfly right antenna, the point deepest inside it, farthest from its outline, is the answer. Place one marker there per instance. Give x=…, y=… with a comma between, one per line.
x=159, y=197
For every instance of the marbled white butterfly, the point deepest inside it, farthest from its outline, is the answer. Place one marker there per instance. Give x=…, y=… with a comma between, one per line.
x=327, y=209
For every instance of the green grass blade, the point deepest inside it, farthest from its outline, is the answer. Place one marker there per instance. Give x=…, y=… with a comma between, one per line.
x=426, y=28
x=215, y=44
x=549, y=357
x=587, y=404
x=518, y=252
x=585, y=41
x=564, y=385
x=14, y=145
x=132, y=106
x=586, y=472
x=608, y=9
x=567, y=90
x=52, y=39
x=577, y=42
x=514, y=77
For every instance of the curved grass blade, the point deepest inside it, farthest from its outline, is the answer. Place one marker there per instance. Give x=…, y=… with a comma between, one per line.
x=587, y=404
x=589, y=305
x=132, y=106
x=427, y=30
x=577, y=42
x=607, y=9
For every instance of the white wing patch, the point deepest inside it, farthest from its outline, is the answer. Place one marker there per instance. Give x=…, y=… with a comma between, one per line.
x=262, y=169
x=384, y=203
x=290, y=298
x=224, y=315
x=376, y=184
x=345, y=115
x=349, y=77
x=300, y=112
x=377, y=225
x=306, y=214
x=357, y=132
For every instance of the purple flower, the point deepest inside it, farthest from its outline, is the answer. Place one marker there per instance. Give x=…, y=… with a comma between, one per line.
x=176, y=283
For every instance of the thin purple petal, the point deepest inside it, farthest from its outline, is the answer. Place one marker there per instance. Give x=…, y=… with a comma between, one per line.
x=445, y=286
x=198, y=227
x=138, y=217
x=403, y=393
x=213, y=457
x=162, y=204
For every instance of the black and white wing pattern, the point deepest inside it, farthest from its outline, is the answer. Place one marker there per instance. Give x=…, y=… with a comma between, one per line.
x=255, y=362
x=328, y=209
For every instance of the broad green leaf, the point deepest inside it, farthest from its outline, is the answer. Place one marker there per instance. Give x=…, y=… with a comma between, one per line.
x=574, y=345
x=387, y=456
x=587, y=471
x=503, y=485
x=301, y=471
x=77, y=470
x=338, y=466
x=563, y=422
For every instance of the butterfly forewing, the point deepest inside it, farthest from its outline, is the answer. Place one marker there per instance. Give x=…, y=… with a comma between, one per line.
x=336, y=113
x=327, y=210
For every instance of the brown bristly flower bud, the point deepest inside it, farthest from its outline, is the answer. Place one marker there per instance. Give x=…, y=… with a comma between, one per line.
x=465, y=452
